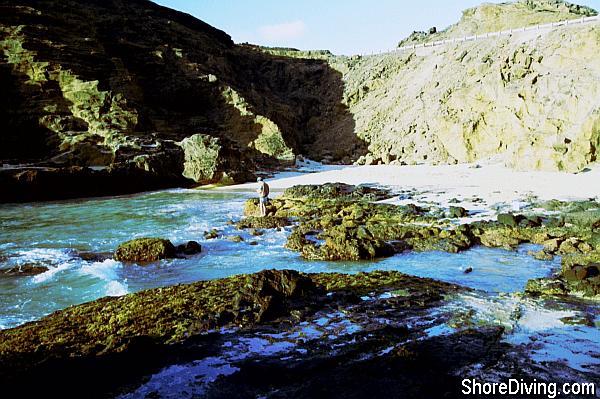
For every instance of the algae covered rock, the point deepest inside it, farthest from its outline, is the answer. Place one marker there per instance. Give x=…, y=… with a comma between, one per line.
x=546, y=286
x=457, y=212
x=138, y=334
x=251, y=207
x=581, y=273
x=264, y=222
x=201, y=154
x=145, y=250
x=336, y=191
x=235, y=238
x=586, y=218
x=508, y=219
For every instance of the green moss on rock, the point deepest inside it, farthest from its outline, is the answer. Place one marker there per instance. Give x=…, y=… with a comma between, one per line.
x=145, y=250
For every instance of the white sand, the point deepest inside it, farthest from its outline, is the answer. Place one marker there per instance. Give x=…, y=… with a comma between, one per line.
x=492, y=183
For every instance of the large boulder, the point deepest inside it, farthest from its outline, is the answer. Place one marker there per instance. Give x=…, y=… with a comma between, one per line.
x=145, y=250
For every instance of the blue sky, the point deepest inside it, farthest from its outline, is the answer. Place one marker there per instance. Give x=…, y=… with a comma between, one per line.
x=342, y=26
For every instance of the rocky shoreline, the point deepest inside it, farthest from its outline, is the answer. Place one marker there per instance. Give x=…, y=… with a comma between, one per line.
x=342, y=222
x=388, y=331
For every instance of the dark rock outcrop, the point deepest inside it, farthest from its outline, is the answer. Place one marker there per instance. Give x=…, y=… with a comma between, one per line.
x=154, y=97
x=189, y=248
x=122, y=339
x=337, y=191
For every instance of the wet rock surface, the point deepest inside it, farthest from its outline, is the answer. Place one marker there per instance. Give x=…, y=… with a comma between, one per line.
x=112, y=342
x=189, y=248
x=341, y=222
x=24, y=270
x=146, y=250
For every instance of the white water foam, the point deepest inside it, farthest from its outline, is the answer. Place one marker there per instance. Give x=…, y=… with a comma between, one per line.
x=51, y=272
x=540, y=330
x=43, y=255
x=107, y=271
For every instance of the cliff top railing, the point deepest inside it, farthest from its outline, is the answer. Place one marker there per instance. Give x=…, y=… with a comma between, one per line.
x=541, y=27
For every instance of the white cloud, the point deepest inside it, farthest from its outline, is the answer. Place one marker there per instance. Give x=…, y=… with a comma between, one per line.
x=282, y=32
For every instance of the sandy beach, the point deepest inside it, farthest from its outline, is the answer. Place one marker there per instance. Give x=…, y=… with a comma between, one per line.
x=492, y=183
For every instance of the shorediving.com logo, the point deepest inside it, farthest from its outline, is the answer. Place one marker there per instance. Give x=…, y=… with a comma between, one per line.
x=519, y=387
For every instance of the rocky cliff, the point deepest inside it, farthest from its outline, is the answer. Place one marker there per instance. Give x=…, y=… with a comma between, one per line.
x=492, y=17
x=530, y=100
x=108, y=97
x=148, y=97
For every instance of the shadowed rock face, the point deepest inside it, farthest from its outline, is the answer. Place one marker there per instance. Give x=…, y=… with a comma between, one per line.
x=124, y=85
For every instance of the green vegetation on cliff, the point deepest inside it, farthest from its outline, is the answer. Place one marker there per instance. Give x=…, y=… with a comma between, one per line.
x=117, y=85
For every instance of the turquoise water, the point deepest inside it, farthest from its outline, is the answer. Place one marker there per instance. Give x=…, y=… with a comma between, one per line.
x=53, y=234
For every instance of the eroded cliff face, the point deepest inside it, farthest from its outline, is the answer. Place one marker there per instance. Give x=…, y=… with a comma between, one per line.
x=122, y=84
x=530, y=100
x=149, y=97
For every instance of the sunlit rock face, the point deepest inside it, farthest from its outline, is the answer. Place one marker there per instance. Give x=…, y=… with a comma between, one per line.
x=529, y=100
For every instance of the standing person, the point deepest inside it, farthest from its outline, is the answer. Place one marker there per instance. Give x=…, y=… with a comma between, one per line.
x=263, y=196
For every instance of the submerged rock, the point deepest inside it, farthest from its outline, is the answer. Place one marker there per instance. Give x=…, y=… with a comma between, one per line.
x=95, y=256
x=236, y=238
x=145, y=250
x=24, y=270
x=212, y=234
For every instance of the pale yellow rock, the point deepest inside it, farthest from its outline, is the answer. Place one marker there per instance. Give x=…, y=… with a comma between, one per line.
x=530, y=101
